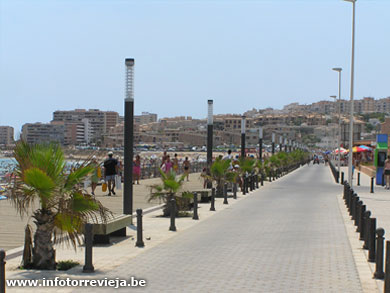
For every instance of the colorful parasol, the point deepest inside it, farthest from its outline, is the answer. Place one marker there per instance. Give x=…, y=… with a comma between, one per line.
x=342, y=151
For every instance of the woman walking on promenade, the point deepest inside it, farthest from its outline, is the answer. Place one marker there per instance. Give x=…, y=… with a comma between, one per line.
x=137, y=169
x=186, y=167
x=167, y=165
x=97, y=173
x=164, y=158
x=387, y=172
x=175, y=163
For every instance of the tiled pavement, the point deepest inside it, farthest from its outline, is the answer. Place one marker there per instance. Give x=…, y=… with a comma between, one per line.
x=289, y=237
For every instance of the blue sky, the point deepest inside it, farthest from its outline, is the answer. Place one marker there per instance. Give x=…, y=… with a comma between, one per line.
x=243, y=54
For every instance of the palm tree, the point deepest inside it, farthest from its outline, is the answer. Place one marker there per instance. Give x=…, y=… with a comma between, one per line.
x=221, y=172
x=64, y=207
x=168, y=189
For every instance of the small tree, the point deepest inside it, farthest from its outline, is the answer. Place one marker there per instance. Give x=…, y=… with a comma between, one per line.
x=169, y=188
x=221, y=172
x=64, y=207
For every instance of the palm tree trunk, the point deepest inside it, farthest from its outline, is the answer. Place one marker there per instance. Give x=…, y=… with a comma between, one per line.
x=43, y=251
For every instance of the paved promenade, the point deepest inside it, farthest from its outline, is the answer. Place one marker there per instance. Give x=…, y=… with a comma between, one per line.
x=12, y=226
x=288, y=237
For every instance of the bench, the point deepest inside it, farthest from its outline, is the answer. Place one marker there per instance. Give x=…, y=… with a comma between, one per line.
x=204, y=195
x=114, y=226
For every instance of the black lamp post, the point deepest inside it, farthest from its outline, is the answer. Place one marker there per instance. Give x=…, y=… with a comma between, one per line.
x=128, y=137
x=210, y=126
x=260, y=143
x=273, y=143
x=243, y=121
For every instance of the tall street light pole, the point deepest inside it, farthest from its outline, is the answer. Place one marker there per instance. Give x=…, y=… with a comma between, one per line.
x=273, y=143
x=350, y=154
x=286, y=144
x=210, y=124
x=339, y=124
x=128, y=137
x=243, y=121
x=280, y=143
x=260, y=143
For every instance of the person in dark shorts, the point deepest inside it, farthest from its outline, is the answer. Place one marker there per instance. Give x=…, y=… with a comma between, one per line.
x=110, y=171
x=387, y=172
x=186, y=167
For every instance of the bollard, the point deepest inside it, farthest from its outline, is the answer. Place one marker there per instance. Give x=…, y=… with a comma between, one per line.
x=212, y=208
x=257, y=181
x=338, y=177
x=250, y=183
x=235, y=190
x=195, y=216
x=172, y=227
x=342, y=176
x=379, y=274
x=353, y=207
x=243, y=185
x=345, y=191
x=358, y=179
x=372, y=185
x=371, y=240
x=347, y=197
x=357, y=215
x=261, y=180
x=246, y=184
x=351, y=197
x=270, y=177
x=361, y=222
x=367, y=215
x=2, y=271
x=225, y=201
x=88, y=241
x=387, y=268
x=140, y=241
x=354, y=210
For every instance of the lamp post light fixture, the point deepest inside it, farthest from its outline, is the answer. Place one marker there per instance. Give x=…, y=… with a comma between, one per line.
x=273, y=142
x=260, y=143
x=243, y=121
x=128, y=139
x=286, y=144
x=338, y=133
x=280, y=143
x=210, y=126
x=350, y=154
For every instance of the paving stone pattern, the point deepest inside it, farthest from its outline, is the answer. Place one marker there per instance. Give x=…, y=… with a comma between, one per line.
x=287, y=237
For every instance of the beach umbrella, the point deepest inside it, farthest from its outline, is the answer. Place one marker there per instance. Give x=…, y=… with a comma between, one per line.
x=358, y=149
x=342, y=151
x=367, y=148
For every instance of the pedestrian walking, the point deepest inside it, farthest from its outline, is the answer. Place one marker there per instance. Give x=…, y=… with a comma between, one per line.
x=110, y=171
x=96, y=174
x=164, y=158
x=175, y=163
x=186, y=167
x=167, y=165
x=137, y=169
x=387, y=172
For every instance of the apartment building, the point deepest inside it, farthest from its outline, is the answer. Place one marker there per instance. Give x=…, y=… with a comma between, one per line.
x=234, y=123
x=145, y=118
x=6, y=135
x=43, y=132
x=99, y=122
